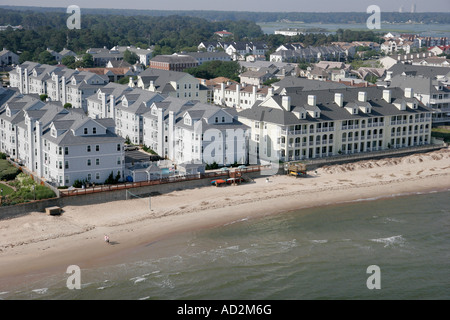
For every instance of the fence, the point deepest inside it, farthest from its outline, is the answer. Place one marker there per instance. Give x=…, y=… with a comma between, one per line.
x=130, y=185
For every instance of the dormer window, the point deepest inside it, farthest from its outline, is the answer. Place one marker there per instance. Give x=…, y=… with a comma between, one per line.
x=54, y=133
x=187, y=121
x=94, y=130
x=85, y=130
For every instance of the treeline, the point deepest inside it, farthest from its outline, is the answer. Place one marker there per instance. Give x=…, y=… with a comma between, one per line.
x=214, y=69
x=307, y=17
x=170, y=34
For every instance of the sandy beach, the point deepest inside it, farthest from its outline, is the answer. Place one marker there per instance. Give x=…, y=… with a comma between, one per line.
x=37, y=242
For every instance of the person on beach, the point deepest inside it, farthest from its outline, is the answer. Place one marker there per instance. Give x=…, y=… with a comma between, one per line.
x=106, y=239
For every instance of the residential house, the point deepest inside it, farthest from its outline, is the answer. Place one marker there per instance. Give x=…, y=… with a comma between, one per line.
x=8, y=58
x=388, y=61
x=432, y=62
x=255, y=77
x=144, y=54
x=113, y=74
x=309, y=54
x=290, y=46
x=203, y=57
x=101, y=56
x=223, y=34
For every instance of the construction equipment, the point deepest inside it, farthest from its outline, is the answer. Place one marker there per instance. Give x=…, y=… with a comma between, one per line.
x=297, y=169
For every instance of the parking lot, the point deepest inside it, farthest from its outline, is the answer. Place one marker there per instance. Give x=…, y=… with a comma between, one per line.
x=136, y=156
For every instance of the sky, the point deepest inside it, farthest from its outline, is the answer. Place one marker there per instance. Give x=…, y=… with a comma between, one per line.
x=247, y=5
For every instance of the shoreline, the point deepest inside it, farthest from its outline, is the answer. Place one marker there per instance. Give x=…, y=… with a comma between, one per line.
x=37, y=244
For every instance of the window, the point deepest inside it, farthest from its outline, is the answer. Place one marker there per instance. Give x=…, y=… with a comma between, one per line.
x=89, y=162
x=97, y=162
x=223, y=119
x=216, y=120
x=88, y=148
x=66, y=150
x=97, y=176
x=94, y=130
x=118, y=147
x=89, y=177
x=85, y=131
x=66, y=165
x=97, y=148
x=118, y=161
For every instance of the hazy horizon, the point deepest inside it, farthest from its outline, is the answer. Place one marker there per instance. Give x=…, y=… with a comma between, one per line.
x=329, y=6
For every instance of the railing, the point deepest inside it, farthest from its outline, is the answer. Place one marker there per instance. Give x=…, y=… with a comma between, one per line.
x=129, y=185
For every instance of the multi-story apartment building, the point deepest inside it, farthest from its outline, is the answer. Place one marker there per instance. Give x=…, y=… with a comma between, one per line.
x=430, y=86
x=102, y=104
x=316, y=124
x=58, y=144
x=60, y=84
x=129, y=110
x=195, y=132
x=240, y=96
x=171, y=83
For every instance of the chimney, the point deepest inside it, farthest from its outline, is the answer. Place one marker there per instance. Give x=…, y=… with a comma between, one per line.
x=286, y=103
x=362, y=96
x=270, y=92
x=388, y=75
x=339, y=99
x=312, y=100
x=409, y=93
x=387, y=95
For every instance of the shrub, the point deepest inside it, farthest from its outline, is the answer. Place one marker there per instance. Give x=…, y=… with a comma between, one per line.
x=7, y=171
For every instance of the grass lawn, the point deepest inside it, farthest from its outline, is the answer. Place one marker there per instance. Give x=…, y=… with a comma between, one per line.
x=6, y=189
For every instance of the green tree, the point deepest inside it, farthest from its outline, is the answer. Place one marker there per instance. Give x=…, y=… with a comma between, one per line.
x=130, y=57
x=46, y=57
x=25, y=56
x=68, y=61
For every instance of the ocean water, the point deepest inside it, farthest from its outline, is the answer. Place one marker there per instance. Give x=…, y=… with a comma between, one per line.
x=317, y=253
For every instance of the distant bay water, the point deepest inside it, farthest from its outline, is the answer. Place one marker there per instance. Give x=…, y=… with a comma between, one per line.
x=316, y=253
x=426, y=30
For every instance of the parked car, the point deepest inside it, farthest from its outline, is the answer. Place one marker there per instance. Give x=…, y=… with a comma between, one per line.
x=129, y=147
